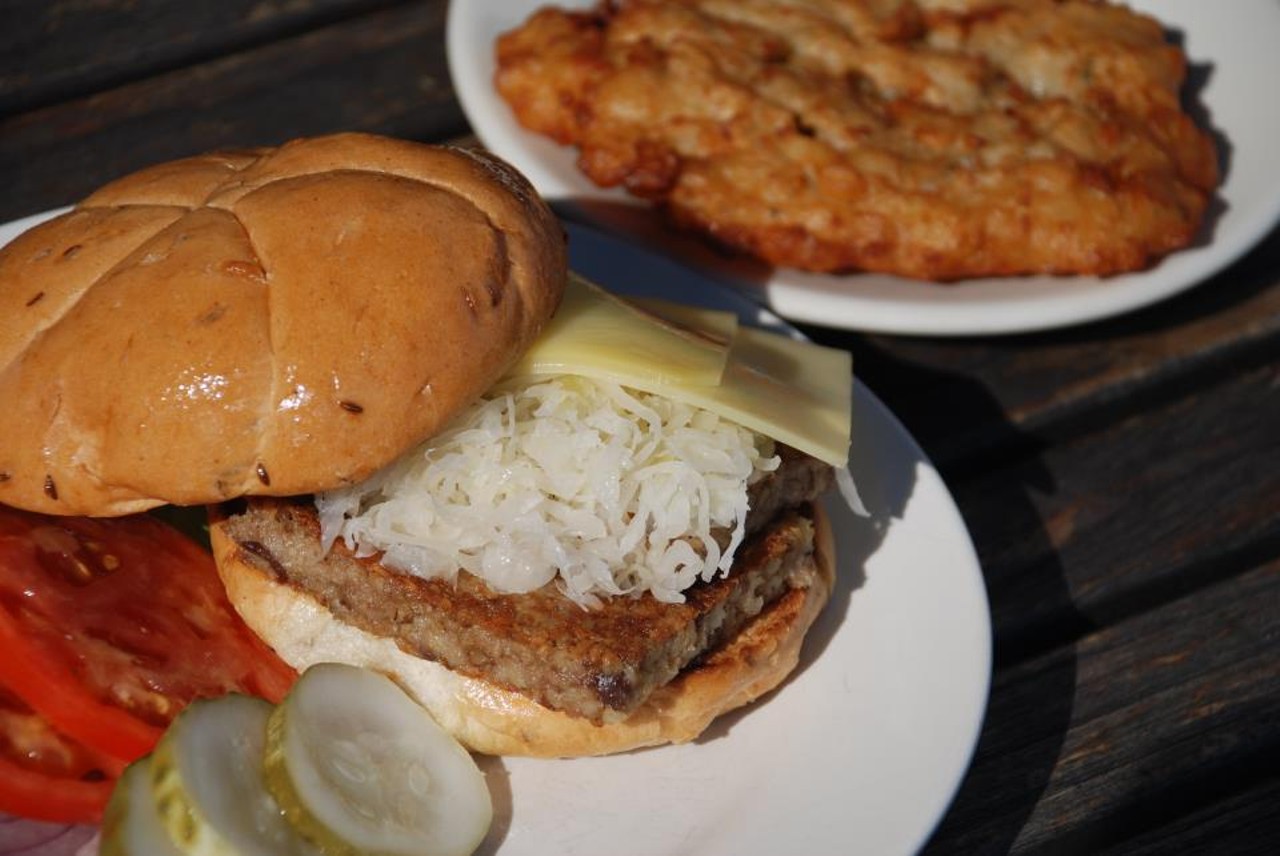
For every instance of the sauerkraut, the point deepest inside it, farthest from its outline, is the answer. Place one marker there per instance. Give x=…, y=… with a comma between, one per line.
x=599, y=488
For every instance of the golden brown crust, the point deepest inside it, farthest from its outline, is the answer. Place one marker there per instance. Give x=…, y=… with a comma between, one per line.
x=938, y=140
x=494, y=721
x=265, y=323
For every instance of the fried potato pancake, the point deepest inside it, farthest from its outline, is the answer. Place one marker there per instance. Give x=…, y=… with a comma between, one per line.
x=936, y=139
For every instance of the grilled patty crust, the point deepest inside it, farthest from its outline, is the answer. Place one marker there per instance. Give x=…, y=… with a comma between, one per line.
x=598, y=663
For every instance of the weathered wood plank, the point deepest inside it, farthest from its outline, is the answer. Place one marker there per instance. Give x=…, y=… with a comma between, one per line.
x=385, y=72
x=1244, y=824
x=1125, y=517
x=1130, y=729
x=57, y=50
x=970, y=402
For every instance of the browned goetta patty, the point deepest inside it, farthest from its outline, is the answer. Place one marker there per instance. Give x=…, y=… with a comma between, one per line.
x=598, y=663
x=940, y=140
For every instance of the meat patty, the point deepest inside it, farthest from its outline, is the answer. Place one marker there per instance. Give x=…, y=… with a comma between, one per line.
x=937, y=139
x=599, y=662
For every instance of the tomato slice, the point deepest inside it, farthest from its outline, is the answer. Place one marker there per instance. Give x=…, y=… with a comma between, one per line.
x=110, y=626
x=46, y=776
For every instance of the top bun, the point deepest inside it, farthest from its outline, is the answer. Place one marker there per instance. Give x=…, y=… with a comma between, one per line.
x=272, y=322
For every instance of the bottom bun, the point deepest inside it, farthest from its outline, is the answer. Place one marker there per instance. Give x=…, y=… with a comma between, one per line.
x=495, y=721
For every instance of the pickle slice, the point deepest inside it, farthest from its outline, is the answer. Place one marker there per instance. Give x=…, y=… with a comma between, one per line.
x=131, y=825
x=361, y=768
x=207, y=783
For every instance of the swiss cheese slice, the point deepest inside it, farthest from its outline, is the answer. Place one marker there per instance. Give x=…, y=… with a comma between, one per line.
x=789, y=389
x=720, y=324
x=792, y=390
x=598, y=335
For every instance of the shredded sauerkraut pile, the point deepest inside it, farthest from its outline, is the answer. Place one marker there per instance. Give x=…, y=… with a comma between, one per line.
x=604, y=489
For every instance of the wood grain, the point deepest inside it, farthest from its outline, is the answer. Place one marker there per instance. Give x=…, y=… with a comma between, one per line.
x=66, y=49
x=384, y=72
x=1122, y=518
x=1130, y=728
x=1242, y=824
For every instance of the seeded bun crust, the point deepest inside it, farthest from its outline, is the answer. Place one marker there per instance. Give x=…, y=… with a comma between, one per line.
x=271, y=322
x=490, y=720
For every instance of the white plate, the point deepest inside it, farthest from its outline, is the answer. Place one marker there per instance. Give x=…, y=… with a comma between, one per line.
x=863, y=748
x=1234, y=44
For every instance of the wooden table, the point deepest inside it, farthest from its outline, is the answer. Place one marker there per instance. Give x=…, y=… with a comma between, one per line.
x=1121, y=480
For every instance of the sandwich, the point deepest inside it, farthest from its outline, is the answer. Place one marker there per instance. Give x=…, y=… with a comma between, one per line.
x=567, y=524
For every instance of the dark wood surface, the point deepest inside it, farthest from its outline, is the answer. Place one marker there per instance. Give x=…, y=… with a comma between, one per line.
x=1121, y=480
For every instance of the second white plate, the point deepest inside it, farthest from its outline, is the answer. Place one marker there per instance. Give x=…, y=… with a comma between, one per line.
x=1231, y=46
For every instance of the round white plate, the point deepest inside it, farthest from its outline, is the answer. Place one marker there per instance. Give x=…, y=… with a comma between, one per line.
x=1232, y=45
x=863, y=748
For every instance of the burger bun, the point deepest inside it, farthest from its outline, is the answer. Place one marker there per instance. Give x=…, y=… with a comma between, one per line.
x=493, y=720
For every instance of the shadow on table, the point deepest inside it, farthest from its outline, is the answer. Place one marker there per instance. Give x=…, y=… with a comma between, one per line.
x=1030, y=704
